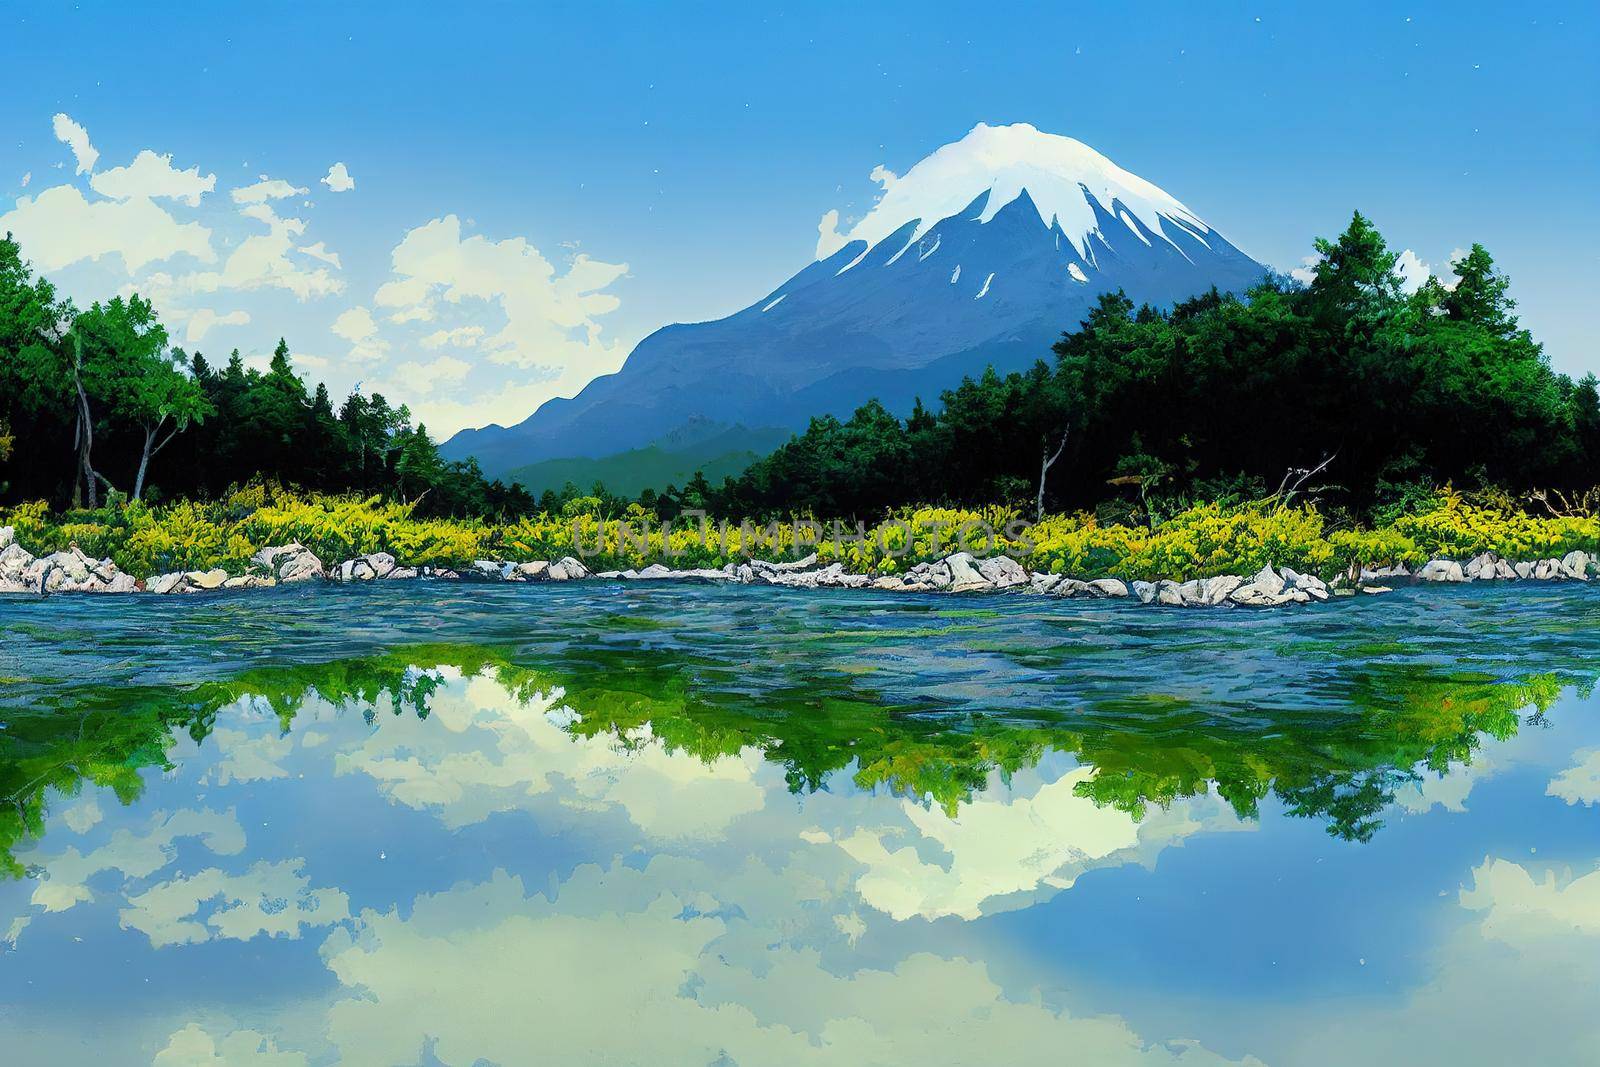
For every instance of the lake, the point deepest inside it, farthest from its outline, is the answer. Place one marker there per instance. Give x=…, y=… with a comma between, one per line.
x=607, y=824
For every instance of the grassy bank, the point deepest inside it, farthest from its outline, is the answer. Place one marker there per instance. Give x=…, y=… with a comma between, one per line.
x=1203, y=541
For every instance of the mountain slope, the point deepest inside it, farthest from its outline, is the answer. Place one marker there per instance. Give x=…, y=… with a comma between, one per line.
x=669, y=461
x=983, y=253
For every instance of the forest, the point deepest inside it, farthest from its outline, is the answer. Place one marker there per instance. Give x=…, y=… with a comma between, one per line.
x=1347, y=386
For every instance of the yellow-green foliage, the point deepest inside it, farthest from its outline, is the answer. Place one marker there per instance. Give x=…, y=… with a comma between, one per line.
x=1456, y=529
x=1203, y=541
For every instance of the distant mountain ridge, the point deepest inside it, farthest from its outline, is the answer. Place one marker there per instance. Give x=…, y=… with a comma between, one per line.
x=911, y=302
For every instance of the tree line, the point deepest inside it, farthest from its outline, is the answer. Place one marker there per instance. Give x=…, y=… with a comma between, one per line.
x=1347, y=383
x=94, y=402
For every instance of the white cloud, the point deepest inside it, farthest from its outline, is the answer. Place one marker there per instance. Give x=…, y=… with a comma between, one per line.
x=1580, y=783
x=320, y=251
x=551, y=320
x=263, y=261
x=356, y=325
x=266, y=189
x=201, y=321
x=460, y=337
x=59, y=227
x=338, y=179
x=152, y=176
x=829, y=239
x=76, y=138
x=417, y=379
x=1306, y=272
x=1412, y=270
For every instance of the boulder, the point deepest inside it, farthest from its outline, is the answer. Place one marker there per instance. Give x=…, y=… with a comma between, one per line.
x=567, y=569
x=1442, y=570
x=1108, y=587
x=780, y=568
x=964, y=573
x=400, y=573
x=292, y=562
x=248, y=581
x=493, y=569
x=890, y=582
x=8, y=536
x=536, y=570
x=1314, y=588
x=1145, y=591
x=1003, y=572
x=1481, y=568
x=1524, y=569
x=1043, y=583
x=1219, y=589
x=176, y=582
x=1263, y=590
x=1072, y=587
x=1399, y=570
x=1575, y=565
x=1169, y=593
x=211, y=579
x=1547, y=570
x=931, y=575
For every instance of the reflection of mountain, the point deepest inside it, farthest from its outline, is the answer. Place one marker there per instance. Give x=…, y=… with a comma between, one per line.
x=1343, y=769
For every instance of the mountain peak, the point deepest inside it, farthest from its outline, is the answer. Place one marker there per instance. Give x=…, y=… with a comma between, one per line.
x=1064, y=178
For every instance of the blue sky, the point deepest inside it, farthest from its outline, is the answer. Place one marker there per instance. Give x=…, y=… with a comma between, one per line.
x=538, y=187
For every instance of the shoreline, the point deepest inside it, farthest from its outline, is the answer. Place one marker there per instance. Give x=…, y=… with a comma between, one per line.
x=71, y=571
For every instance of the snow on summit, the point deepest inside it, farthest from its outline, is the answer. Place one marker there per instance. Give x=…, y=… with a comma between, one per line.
x=1059, y=174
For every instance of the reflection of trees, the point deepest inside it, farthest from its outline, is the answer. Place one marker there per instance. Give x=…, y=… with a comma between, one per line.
x=1342, y=767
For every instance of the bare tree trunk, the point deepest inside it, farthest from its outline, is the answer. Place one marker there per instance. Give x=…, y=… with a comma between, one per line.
x=151, y=448
x=85, y=446
x=144, y=462
x=1046, y=461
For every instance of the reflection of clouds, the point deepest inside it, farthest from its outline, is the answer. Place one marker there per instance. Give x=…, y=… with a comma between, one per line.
x=269, y=898
x=194, y=1047
x=249, y=757
x=132, y=854
x=1520, y=910
x=1580, y=783
x=1515, y=983
x=1448, y=791
x=83, y=816
x=1005, y=843
x=486, y=972
x=483, y=750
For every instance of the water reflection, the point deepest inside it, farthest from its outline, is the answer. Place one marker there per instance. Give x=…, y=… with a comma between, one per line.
x=460, y=854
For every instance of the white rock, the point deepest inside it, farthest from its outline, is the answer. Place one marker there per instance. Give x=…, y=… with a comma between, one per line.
x=1145, y=591
x=1043, y=583
x=1442, y=570
x=211, y=579
x=1003, y=572
x=1108, y=587
x=176, y=582
x=964, y=574
x=1575, y=565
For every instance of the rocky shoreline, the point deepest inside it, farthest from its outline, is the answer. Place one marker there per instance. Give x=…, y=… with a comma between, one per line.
x=71, y=571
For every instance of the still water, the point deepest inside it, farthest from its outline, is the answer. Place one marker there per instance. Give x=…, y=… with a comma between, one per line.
x=666, y=825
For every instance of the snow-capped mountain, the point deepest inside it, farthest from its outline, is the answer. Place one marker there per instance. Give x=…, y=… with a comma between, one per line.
x=983, y=253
